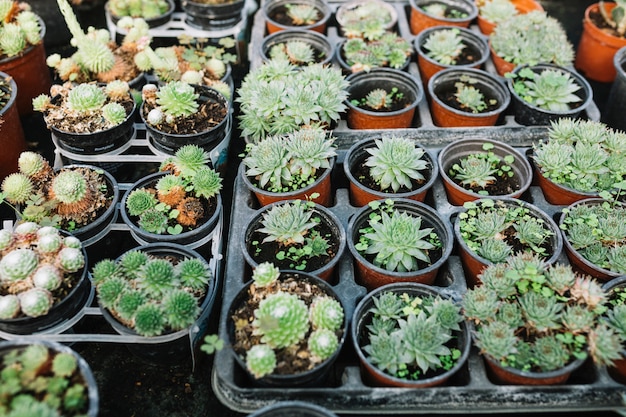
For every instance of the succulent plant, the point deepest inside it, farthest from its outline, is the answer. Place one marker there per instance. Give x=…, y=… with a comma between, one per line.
x=289, y=162
x=296, y=52
x=396, y=162
x=302, y=14
x=532, y=38
x=288, y=223
x=44, y=381
x=496, y=11
x=146, y=9
x=396, y=239
x=549, y=89
x=616, y=18
x=479, y=170
x=278, y=98
x=365, y=20
x=379, y=99
x=414, y=340
x=444, y=46
x=19, y=29
x=387, y=50
x=37, y=268
x=176, y=202
x=152, y=294
x=469, y=97
x=560, y=324
x=286, y=323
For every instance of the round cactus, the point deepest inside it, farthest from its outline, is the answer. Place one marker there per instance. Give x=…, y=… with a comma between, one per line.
x=30, y=163
x=326, y=313
x=69, y=187
x=26, y=230
x=18, y=264
x=35, y=302
x=323, y=343
x=181, y=309
x=9, y=306
x=153, y=221
x=260, y=360
x=72, y=242
x=157, y=276
x=193, y=273
x=117, y=89
x=264, y=274
x=132, y=261
x=49, y=243
x=103, y=270
x=149, y=320
x=47, y=230
x=47, y=277
x=110, y=290
x=17, y=188
x=71, y=259
x=128, y=303
x=281, y=319
x=86, y=97
x=6, y=238
x=64, y=364
x=114, y=113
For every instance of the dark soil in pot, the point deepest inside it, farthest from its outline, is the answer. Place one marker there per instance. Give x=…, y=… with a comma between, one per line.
x=362, y=173
x=279, y=15
x=503, y=186
x=469, y=54
x=210, y=113
x=447, y=95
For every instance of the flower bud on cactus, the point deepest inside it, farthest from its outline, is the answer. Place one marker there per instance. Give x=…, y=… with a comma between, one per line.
x=35, y=302
x=260, y=360
x=326, y=313
x=47, y=277
x=281, y=319
x=323, y=343
x=17, y=188
x=71, y=259
x=18, y=264
x=9, y=306
x=264, y=274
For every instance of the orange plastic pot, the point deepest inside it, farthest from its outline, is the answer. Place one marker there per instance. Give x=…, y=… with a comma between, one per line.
x=12, y=139
x=502, y=66
x=512, y=376
x=596, y=48
x=522, y=6
x=273, y=26
x=558, y=194
x=420, y=20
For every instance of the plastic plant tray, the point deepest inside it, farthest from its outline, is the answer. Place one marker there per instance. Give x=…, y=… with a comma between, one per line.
x=469, y=391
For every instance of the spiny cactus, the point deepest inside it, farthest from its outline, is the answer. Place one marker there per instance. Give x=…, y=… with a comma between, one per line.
x=35, y=302
x=326, y=313
x=323, y=343
x=181, y=309
x=9, y=306
x=193, y=273
x=17, y=188
x=265, y=274
x=261, y=360
x=281, y=320
x=158, y=277
x=150, y=320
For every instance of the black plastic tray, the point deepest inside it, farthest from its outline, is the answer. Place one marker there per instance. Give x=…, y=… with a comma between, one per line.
x=470, y=391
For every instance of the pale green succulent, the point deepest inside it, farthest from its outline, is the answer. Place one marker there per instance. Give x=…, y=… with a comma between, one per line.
x=177, y=98
x=444, y=46
x=323, y=343
x=387, y=49
x=287, y=223
x=265, y=274
x=207, y=182
x=9, y=306
x=616, y=18
x=365, y=20
x=19, y=29
x=281, y=320
x=378, y=99
x=296, y=52
x=69, y=187
x=474, y=170
x=260, y=360
x=302, y=14
x=114, y=113
x=470, y=97
x=326, y=313
x=497, y=11
x=30, y=163
x=190, y=158
x=396, y=162
x=17, y=188
x=146, y=9
x=35, y=302
x=549, y=89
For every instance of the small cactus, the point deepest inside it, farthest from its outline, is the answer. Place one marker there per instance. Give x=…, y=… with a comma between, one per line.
x=17, y=188
x=18, y=264
x=323, y=343
x=30, y=163
x=326, y=313
x=149, y=320
x=193, y=273
x=9, y=306
x=281, y=320
x=264, y=274
x=261, y=360
x=181, y=309
x=178, y=99
x=50, y=243
x=47, y=277
x=35, y=302
x=114, y=113
x=70, y=259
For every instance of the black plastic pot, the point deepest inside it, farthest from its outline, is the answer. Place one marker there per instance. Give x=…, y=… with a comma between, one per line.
x=169, y=143
x=192, y=238
x=213, y=16
x=347, y=68
x=324, y=50
x=530, y=115
x=293, y=409
x=616, y=103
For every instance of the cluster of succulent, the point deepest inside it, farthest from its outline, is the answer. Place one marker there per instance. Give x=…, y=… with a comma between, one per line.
x=444, y=46
x=616, y=18
x=38, y=380
x=96, y=57
x=86, y=107
x=146, y=9
x=396, y=162
x=367, y=20
x=550, y=89
x=469, y=97
x=68, y=198
x=441, y=10
x=284, y=163
x=395, y=239
x=297, y=52
x=152, y=294
x=387, y=50
x=286, y=321
x=411, y=335
x=302, y=14
x=496, y=11
x=38, y=267
x=180, y=198
x=584, y=155
x=379, y=99
x=479, y=170
x=532, y=38
x=293, y=225
x=19, y=28
x=278, y=97
x=492, y=228
x=192, y=60
x=539, y=318
x=598, y=233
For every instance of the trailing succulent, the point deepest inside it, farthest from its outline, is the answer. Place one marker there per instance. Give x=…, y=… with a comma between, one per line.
x=38, y=266
x=289, y=162
x=539, y=318
x=289, y=326
x=152, y=294
x=278, y=97
x=585, y=155
x=412, y=336
x=179, y=200
x=395, y=240
x=492, y=228
x=19, y=28
x=86, y=107
x=68, y=198
x=479, y=170
x=41, y=381
x=387, y=50
x=395, y=163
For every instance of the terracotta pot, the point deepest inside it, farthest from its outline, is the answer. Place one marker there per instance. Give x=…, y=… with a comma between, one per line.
x=269, y=7
x=501, y=65
x=324, y=50
x=419, y=20
x=362, y=318
x=558, y=194
x=529, y=114
x=455, y=151
x=443, y=83
x=522, y=6
x=372, y=276
x=322, y=186
x=579, y=262
x=473, y=264
x=30, y=72
x=474, y=42
x=363, y=82
x=616, y=103
x=514, y=376
x=11, y=133
x=596, y=49
x=328, y=219
x=618, y=370
x=360, y=195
